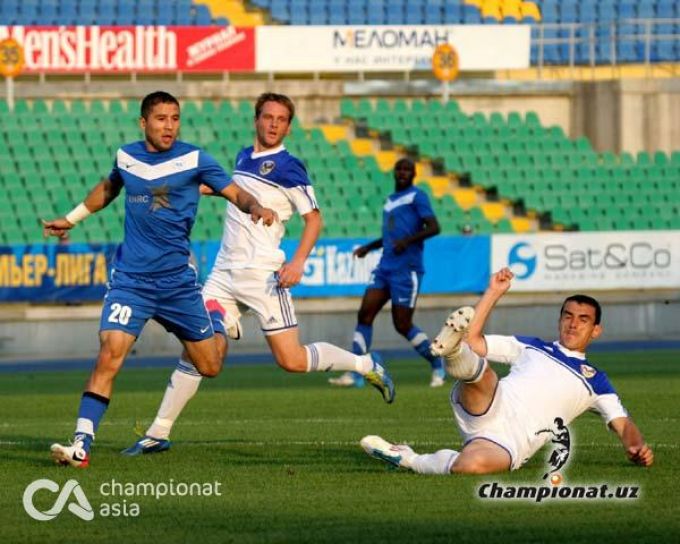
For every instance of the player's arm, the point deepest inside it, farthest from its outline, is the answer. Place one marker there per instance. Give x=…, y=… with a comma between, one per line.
x=290, y=274
x=633, y=443
x=498, y=285
x=98, y=198
x=364, y=250
x=430, y=228
x=247, y=203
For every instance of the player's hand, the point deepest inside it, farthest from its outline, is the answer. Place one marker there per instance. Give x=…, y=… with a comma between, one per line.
x=290, y=274
x=56, y=227
x=267, y=215
x=205, y=190
x=641, y=455
x=360, y=252
x=400, y=246
x=501, y=280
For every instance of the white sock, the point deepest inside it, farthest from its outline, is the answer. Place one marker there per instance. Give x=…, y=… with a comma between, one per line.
x=465, y=364
x=434, y=463
x=322, y=357
x=181, y=388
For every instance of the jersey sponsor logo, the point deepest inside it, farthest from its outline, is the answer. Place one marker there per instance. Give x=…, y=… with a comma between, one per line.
x=160, y=198
x=266, y=167
x=588, y=371
x=138, y=199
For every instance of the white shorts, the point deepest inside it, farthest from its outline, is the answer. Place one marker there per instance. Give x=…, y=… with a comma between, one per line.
x=504, y=424
x=240, y=290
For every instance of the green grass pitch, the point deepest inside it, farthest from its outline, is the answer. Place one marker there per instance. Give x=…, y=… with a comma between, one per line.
x=285, y=449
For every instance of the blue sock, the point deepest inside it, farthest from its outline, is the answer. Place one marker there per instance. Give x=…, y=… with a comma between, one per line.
x=363, y=335
x=90, y=413
x=361, y=343
x=421, y=343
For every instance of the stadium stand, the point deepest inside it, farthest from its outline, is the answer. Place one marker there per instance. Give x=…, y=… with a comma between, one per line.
x=107, y=12
x=54, y=151
x=570, y=31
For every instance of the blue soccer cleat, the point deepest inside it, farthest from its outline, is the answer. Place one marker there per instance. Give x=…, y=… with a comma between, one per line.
x=380, y=379
x=147, y=444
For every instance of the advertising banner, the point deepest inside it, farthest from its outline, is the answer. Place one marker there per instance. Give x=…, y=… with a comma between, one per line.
x=389, y=48
x=97, y=49
x=590, y=260
x=54, y=272
x=453, y=264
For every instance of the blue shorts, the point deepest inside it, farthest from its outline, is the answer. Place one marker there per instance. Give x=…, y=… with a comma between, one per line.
x=403, y=285
x=173, y=300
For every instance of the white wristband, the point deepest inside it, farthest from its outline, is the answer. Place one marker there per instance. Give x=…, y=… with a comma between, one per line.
x=77, y=214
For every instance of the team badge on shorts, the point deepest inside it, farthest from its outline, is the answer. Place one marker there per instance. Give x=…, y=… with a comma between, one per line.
x=588, y=371
x=266, y=167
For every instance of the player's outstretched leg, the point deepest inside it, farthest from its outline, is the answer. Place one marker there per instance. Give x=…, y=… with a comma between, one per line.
x=380, y=379
x=361, y=344
x=401, y=455
x=459, y=360
x=448, y=341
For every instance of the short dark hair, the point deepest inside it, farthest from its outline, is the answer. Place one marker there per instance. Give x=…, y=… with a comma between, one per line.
x=405, y=160
x=157, y=97
x=585, y=299
x=275, y=97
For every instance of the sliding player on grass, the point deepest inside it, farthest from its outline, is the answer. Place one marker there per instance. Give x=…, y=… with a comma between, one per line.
x=502, y=420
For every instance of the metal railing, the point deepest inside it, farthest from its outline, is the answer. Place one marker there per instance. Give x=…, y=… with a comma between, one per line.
x=605, y=43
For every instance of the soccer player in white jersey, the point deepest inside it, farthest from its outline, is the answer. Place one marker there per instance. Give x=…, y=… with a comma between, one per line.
x=501, y=420
x=250, y=273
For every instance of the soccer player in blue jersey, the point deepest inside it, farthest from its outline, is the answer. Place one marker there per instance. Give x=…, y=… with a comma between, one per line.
x=503, y=421
x=151, y=276
x=251, y=273
x=408, y=220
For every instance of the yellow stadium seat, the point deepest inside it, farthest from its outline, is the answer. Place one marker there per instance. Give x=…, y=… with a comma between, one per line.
x=521, y=224
x=530, y=9
x=466, y=198
x=386, y=160
x=493, y=211
x=361, y=146
x=333, y=133
x=440, y=185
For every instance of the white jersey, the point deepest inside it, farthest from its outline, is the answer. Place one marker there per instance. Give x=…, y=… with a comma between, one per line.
x=548, y=381
x=278, y=181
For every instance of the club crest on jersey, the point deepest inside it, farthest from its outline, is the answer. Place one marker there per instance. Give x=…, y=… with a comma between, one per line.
x=266, y=167
x=588, y=371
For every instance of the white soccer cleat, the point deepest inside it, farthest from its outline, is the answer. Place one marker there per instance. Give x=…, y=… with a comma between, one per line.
x=399, y=455
x=347, y=379
x=438, y=377
x=448, y=340
x=73, y=455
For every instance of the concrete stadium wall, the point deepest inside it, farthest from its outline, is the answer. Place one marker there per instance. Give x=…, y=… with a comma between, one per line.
x=638, y=317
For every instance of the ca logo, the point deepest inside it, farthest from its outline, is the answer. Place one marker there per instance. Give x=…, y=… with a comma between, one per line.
x=82, y=509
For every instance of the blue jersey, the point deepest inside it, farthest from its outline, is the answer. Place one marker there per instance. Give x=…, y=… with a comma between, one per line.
x=161, y=200
x=403, y=216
